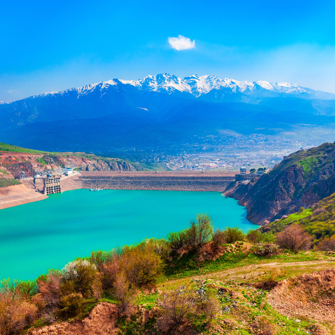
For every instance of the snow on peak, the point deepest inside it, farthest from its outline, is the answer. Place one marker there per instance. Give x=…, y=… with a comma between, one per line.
x=194, y=84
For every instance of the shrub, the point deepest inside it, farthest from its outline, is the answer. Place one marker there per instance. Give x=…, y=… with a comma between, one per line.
x=109, y=271
x=200, y=231
x=15, y=312
x=161, y=247
x=256, y=236
x=219, y=237
x=176, y=240
x=71, y=305
x=294, y=238
x=27, y=288
x=327, y=244
x=122, y=291
x=141, y=265
x=82, y=273
x=233, y=235
x=49, y=288
x=265, y=249
x=99, y=258
x=186, y=305
x=178, y=306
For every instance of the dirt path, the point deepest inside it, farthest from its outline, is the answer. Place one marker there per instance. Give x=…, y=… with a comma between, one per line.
x=261, y=271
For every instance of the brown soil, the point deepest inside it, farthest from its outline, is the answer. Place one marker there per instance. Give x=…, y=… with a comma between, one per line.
x=17, y=195
x=308, y=296
x=210, y=251
x=101, y=321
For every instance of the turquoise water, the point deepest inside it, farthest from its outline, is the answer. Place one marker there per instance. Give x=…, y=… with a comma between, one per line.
x=47, y=234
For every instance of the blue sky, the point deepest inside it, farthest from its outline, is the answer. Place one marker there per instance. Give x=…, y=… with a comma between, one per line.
x=51, y=46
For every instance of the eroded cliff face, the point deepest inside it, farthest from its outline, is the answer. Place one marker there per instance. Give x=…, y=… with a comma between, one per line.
x=115, y=165
x=300, y=180
x=15, y=163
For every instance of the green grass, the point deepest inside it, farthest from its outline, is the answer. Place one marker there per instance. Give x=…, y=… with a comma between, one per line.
x=14, y=148
x=308, y=164
x=8, y=182
x=41, y=161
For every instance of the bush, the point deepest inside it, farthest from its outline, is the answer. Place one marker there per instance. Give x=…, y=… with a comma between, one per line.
x=294, y=238
x=178, y=306
x=99, y=258
x=141, y=265
x=122, y=291
x=265, y=249
x=83, y=275
x=233, y=235
x=49, y=289
x=200, y=231
x=256, y=236
x=185, y=306
x=71, y=305
x=109, y=271
x=327, y=244
x=176, y=240
x=161, y=247
x=219, y=238
x=15, y=312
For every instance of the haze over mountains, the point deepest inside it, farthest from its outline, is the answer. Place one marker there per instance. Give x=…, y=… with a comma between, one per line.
x=165, y=111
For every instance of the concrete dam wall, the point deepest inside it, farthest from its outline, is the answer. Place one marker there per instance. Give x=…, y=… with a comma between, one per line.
x=174, y=181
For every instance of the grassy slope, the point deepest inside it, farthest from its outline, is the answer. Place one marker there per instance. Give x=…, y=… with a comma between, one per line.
x=13, y=148
x=237, y=272
x=319, y=220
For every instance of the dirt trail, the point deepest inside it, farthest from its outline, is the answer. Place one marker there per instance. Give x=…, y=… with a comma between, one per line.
x=255, y=272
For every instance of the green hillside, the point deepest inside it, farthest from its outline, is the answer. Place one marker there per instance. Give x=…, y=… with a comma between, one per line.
x=300, y=180
x=319, y=220
x=14, y=148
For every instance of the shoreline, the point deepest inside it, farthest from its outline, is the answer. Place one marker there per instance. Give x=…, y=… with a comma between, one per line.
x=199, y=181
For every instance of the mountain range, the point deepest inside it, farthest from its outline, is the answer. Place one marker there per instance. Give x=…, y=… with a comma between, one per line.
x=162, y=111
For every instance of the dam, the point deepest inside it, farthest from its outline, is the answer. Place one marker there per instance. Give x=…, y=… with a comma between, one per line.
x=142, y=180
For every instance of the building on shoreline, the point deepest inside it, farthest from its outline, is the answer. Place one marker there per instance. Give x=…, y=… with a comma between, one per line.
x=52, y=185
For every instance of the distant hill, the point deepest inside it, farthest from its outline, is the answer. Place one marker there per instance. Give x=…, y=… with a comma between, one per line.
x=162, y=111
x=14, y=148
x=15, y=160
x=300, y=180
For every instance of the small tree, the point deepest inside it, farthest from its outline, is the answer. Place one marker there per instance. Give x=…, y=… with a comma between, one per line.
x=294, y=238
x=327, y=244
x=178, y=306
x=122, y=291
x=141, y=265
x=200, y=231
x=219, y=237
x=233, y=234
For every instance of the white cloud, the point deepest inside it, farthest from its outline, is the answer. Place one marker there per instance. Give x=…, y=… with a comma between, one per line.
x=181, y=43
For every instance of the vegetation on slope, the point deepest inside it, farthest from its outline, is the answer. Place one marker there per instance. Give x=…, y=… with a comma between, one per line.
x=14, y=148
x=194, y=281
x=300, y=180
x=8, y=182
x=318, y=221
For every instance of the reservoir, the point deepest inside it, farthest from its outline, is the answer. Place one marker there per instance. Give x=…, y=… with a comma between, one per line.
x=48, y=234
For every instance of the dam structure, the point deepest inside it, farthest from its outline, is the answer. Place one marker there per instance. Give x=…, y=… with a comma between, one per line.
x=52, y=185
x=140, y=180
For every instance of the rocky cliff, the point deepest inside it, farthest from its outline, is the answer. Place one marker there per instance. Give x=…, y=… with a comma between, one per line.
x=13, y=163
x=300, y=180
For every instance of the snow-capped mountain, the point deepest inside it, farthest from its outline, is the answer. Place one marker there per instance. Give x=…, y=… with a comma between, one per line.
x=160, y=109
x=199, y=86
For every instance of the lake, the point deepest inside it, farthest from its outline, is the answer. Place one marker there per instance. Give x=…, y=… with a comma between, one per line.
x=48, y=234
